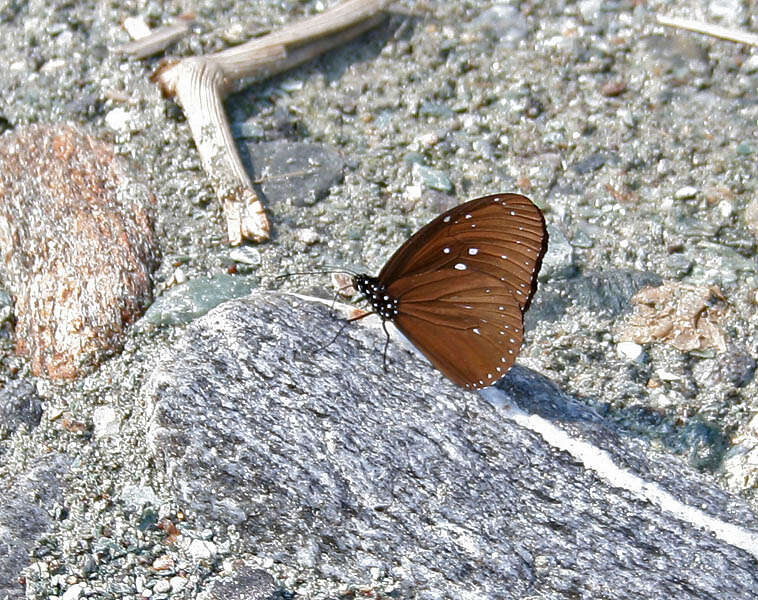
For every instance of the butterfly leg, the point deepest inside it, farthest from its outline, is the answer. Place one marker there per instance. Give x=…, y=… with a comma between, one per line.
x=344, y=324
x=386, y=344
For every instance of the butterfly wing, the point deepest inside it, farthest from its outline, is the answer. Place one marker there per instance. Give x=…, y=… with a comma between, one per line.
x=463, y=283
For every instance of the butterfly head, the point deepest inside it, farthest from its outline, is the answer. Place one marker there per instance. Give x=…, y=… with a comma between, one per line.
x=376, y=293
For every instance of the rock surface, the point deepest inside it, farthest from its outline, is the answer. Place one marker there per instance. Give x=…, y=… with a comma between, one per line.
x=30, y=505
x=320, y=461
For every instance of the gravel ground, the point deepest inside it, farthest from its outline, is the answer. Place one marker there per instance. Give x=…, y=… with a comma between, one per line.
x=638, y=141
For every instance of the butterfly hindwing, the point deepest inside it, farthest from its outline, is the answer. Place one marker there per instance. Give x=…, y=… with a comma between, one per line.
x=473, y=338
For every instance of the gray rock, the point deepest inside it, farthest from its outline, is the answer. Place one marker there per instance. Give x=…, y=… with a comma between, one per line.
x=187, y=301
x=28, y=501
x=321, y=460
x=299, y=173
x=246, y=584
x=19, y=404
x=589, y=164
x=432, y=178
x=558, y=262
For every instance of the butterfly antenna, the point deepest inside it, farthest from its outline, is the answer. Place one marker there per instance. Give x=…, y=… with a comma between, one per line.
x=326, y=271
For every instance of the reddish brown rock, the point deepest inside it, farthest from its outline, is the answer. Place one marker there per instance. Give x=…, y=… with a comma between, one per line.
x=77, y=246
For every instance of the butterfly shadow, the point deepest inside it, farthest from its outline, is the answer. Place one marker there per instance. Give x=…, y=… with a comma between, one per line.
x=702, y=444
x=536, y=394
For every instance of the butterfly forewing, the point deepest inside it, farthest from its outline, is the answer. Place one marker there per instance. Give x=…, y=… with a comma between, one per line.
x=463, y=281
x=501, y=222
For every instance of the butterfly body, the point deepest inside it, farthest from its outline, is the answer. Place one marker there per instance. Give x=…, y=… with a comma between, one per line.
x=376, y=293
x=458, y=288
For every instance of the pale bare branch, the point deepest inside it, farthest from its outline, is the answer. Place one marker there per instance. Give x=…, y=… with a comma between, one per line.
x=201, y=83
x=159, y=39
x=726, y=33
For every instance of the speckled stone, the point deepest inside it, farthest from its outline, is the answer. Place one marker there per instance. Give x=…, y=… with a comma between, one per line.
x=76, y=235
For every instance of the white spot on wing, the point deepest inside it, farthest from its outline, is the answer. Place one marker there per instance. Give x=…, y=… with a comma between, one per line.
x=476, y=331
x=446, y=250
x=460, y=266
x=473, y=251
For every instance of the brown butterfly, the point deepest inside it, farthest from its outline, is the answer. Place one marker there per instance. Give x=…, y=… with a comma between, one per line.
x=459, y=287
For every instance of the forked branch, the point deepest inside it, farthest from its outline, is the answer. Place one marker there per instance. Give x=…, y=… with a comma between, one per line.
x=201, y=83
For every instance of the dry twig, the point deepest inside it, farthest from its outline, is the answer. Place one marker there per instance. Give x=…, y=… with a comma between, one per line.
x=201, y=83
x=726, y=33
x=159, y=39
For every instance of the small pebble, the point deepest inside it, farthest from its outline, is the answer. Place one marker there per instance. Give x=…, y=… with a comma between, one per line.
x=725, y=208
x=751, y=215
x=629, y=350
x=136, y=27
x=52, y=65
x=292, y=85
x=179, y=275
x=751, y=64
x=308, y=236
x=164, y=563
x=664, y=375
x=246, y=255
x=626, y=117
x=73, y=592
x=431, y=178
x=202, y=550
x=686, y=192
x=613, y=88
x=177, y=584
x=106, y=421
x=413, y=192
x=119, y=119
x=427, y=140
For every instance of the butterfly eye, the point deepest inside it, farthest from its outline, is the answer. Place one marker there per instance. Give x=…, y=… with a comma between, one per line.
x=463, y=280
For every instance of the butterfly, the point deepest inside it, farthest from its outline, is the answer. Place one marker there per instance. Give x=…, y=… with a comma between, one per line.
x=459, y=287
